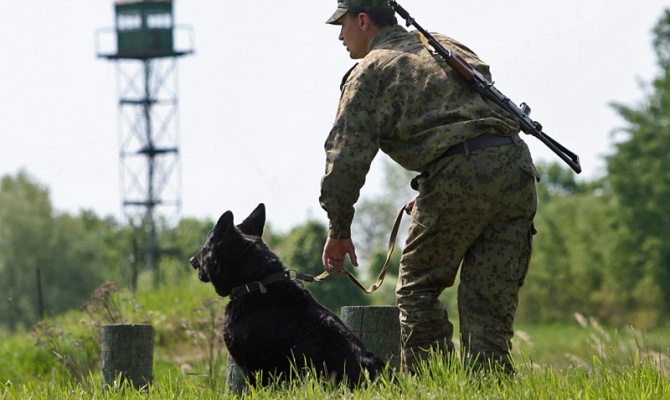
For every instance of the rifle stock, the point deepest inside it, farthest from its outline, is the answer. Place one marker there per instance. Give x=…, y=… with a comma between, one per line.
x=487, y=90
x=461, y=66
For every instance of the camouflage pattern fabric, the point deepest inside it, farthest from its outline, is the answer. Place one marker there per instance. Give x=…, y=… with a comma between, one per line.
x=474, y=211
x=474, y=208
x=401, y=100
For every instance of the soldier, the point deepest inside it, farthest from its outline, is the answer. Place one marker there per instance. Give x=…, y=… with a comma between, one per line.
x=476, y=200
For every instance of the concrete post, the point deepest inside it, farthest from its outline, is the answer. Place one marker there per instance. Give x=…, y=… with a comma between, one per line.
x=379, y=329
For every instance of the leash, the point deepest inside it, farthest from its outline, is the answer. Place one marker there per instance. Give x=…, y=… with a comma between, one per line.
x=380, y=278
x=290, y=275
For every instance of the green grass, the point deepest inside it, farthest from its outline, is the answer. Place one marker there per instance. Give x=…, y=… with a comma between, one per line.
x=572, y=360
x=564, y=345
x=437, y=381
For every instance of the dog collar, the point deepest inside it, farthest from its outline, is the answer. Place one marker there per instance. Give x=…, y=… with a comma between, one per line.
x=259, y=286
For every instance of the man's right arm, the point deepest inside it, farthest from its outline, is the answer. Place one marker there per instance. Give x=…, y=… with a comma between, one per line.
x=350, y=148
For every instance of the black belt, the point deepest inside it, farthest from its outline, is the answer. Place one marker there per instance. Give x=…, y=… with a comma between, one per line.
x=478, y=143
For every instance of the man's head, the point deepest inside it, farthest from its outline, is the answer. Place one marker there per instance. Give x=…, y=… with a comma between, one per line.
x=360, y=20
x=372, y=7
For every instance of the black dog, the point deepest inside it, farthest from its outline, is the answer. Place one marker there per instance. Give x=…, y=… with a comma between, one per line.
x=273, y=325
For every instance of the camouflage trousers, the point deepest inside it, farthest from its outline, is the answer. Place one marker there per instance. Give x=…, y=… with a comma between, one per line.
x=474, y=211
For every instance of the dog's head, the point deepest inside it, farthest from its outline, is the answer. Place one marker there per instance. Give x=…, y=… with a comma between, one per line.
x=225, y=258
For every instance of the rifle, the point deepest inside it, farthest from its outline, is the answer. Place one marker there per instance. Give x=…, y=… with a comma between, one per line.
x=487, y=90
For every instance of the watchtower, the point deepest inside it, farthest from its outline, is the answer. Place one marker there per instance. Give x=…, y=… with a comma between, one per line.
x=145, y=50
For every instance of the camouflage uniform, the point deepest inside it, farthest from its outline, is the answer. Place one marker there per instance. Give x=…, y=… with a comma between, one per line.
x=474, y=208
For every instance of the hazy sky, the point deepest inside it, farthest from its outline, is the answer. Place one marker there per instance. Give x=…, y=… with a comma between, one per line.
x=259, y=95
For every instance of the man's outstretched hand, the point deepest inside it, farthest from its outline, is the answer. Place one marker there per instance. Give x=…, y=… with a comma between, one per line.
x=334, y=252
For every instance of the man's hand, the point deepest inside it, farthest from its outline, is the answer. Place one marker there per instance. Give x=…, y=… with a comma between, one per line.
x=334, y=252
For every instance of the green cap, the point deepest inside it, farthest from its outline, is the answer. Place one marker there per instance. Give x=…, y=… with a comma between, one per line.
x=380, y=7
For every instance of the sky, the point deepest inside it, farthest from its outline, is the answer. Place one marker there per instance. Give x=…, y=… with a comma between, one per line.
x=259, y=95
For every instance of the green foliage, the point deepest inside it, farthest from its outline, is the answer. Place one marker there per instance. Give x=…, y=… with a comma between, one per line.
x=74, y=340
x=74, y=351
x=205, y=328
x=72, y=254
x=557, y=182
x=553, y=361
x=606, y=372
x=638, y=172
x=81, y=253
x=567, y=260
x=187, y=322
x=22, y=360
x=582, y=247
x=385, y=295
x=25, y=218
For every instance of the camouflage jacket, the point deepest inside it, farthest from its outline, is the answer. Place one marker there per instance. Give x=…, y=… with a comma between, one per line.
x=410, y=104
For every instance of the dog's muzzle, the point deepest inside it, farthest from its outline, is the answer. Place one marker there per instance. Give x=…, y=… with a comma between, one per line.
x=195, y=263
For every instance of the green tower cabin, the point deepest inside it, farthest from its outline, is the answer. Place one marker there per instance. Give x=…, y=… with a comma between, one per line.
x=144, y=28
x=145, y=44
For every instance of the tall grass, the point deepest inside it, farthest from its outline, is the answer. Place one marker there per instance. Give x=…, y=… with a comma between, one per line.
x=579, y=360
x=437, y=381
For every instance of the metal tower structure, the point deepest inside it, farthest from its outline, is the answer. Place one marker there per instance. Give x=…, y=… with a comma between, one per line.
x=146, y=53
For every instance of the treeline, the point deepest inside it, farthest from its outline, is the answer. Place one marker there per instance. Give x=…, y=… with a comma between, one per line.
x=51, y=262
x=604, y=246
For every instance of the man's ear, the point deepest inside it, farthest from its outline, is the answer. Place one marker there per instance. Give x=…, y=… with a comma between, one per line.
x=367, y=26
x=254, y=223
x=364, y=21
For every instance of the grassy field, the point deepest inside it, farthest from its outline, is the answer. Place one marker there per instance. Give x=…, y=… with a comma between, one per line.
x=597, y=380
x=60, y=359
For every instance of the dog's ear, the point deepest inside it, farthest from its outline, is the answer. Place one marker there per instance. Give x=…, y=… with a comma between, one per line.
x=225, y=223
x=254, y=223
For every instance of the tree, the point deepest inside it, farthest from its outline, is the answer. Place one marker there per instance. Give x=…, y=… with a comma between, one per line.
x=26, y=226
x=73, y=254
x=581, y=257
x=638, y=172
x=82, y=253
